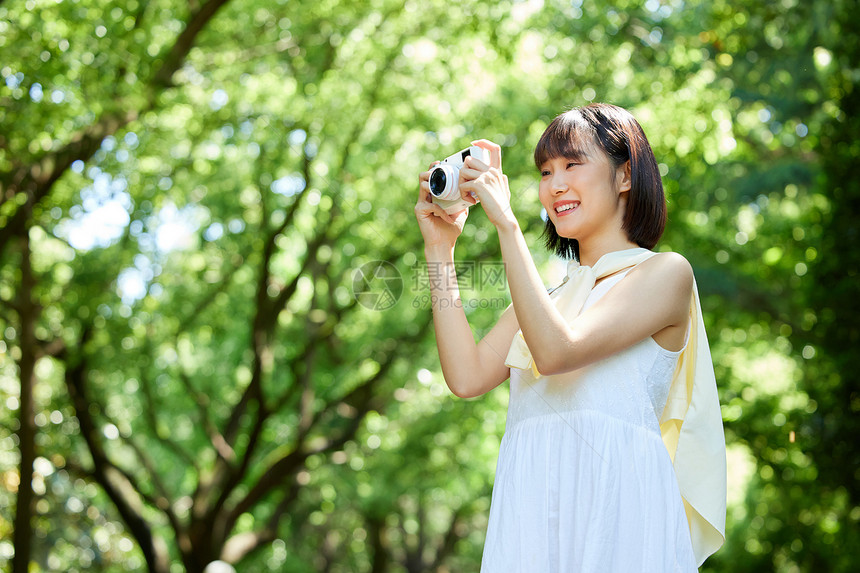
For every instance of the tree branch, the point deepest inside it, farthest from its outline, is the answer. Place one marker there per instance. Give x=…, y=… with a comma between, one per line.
x=264, y=321
x=176, y=55
x=219, y=444
x=210, y=297
x=446, y=547
x=106, y=473
x=361, y=401
x=38, y=179
x=150, y=415
x=241, y=545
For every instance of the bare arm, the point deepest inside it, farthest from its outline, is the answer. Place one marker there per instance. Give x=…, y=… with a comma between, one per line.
x=653, y=300
x=470, y=369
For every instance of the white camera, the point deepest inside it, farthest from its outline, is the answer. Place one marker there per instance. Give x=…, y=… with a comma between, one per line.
x=444, y=178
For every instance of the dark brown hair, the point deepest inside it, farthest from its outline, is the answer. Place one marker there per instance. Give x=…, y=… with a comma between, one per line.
x=617, y=133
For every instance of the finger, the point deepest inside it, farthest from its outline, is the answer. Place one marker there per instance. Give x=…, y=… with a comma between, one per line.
x=423, y=181
x=494, y=149
x=466, y=190
x=424, y=208
x=469, y=199
x=432, y=210
x=426, y=174
x=427, y=208
x=424, y=192
x=440, y=212
x=445, y=216
x=472, y=170
x=475, y=163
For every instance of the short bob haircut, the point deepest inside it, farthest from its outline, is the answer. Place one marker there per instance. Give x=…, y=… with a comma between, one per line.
x=616, y=132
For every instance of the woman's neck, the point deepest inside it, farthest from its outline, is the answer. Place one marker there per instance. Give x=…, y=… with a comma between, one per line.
x=590, y=253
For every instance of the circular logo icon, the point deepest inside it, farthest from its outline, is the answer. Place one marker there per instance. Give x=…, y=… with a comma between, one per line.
x=377, y=285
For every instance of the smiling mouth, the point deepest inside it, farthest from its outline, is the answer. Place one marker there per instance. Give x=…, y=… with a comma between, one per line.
x=566, y=208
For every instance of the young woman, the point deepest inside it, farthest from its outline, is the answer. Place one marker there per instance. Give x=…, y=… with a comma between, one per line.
x=613, y=457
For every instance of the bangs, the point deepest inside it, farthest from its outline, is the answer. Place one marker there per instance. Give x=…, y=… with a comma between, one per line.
x=569, y=136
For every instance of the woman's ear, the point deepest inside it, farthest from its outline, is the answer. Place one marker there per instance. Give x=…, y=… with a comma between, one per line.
x=622, y=175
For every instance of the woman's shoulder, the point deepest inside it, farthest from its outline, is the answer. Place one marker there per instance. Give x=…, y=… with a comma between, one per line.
x=671, y=262
x=669, y=269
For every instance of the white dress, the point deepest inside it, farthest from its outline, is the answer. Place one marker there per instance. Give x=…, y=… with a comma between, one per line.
x=584, y=482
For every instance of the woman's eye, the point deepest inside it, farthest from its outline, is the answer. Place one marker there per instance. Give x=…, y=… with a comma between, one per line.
x=572, y=164
x=544, y=173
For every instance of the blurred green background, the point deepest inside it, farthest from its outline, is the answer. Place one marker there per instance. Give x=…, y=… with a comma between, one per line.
x=189, y=189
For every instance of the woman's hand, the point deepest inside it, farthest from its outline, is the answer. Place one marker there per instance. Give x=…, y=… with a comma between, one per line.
x=489, y=185
x=440, y=229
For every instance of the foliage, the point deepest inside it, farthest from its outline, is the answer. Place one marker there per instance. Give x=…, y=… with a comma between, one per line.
x=187, y=194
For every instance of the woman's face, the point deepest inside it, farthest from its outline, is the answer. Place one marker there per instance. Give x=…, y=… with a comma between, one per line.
x=583, y=197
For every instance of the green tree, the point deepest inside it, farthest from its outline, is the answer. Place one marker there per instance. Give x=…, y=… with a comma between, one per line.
x=196, y=363
x=187, y=198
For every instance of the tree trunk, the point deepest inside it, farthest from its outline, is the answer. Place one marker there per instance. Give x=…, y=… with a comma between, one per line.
x=28, y=313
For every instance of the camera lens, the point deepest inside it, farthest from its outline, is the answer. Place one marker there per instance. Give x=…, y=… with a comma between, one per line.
x=437, y=182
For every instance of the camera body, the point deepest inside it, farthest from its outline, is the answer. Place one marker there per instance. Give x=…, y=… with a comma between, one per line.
x=444, y=179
